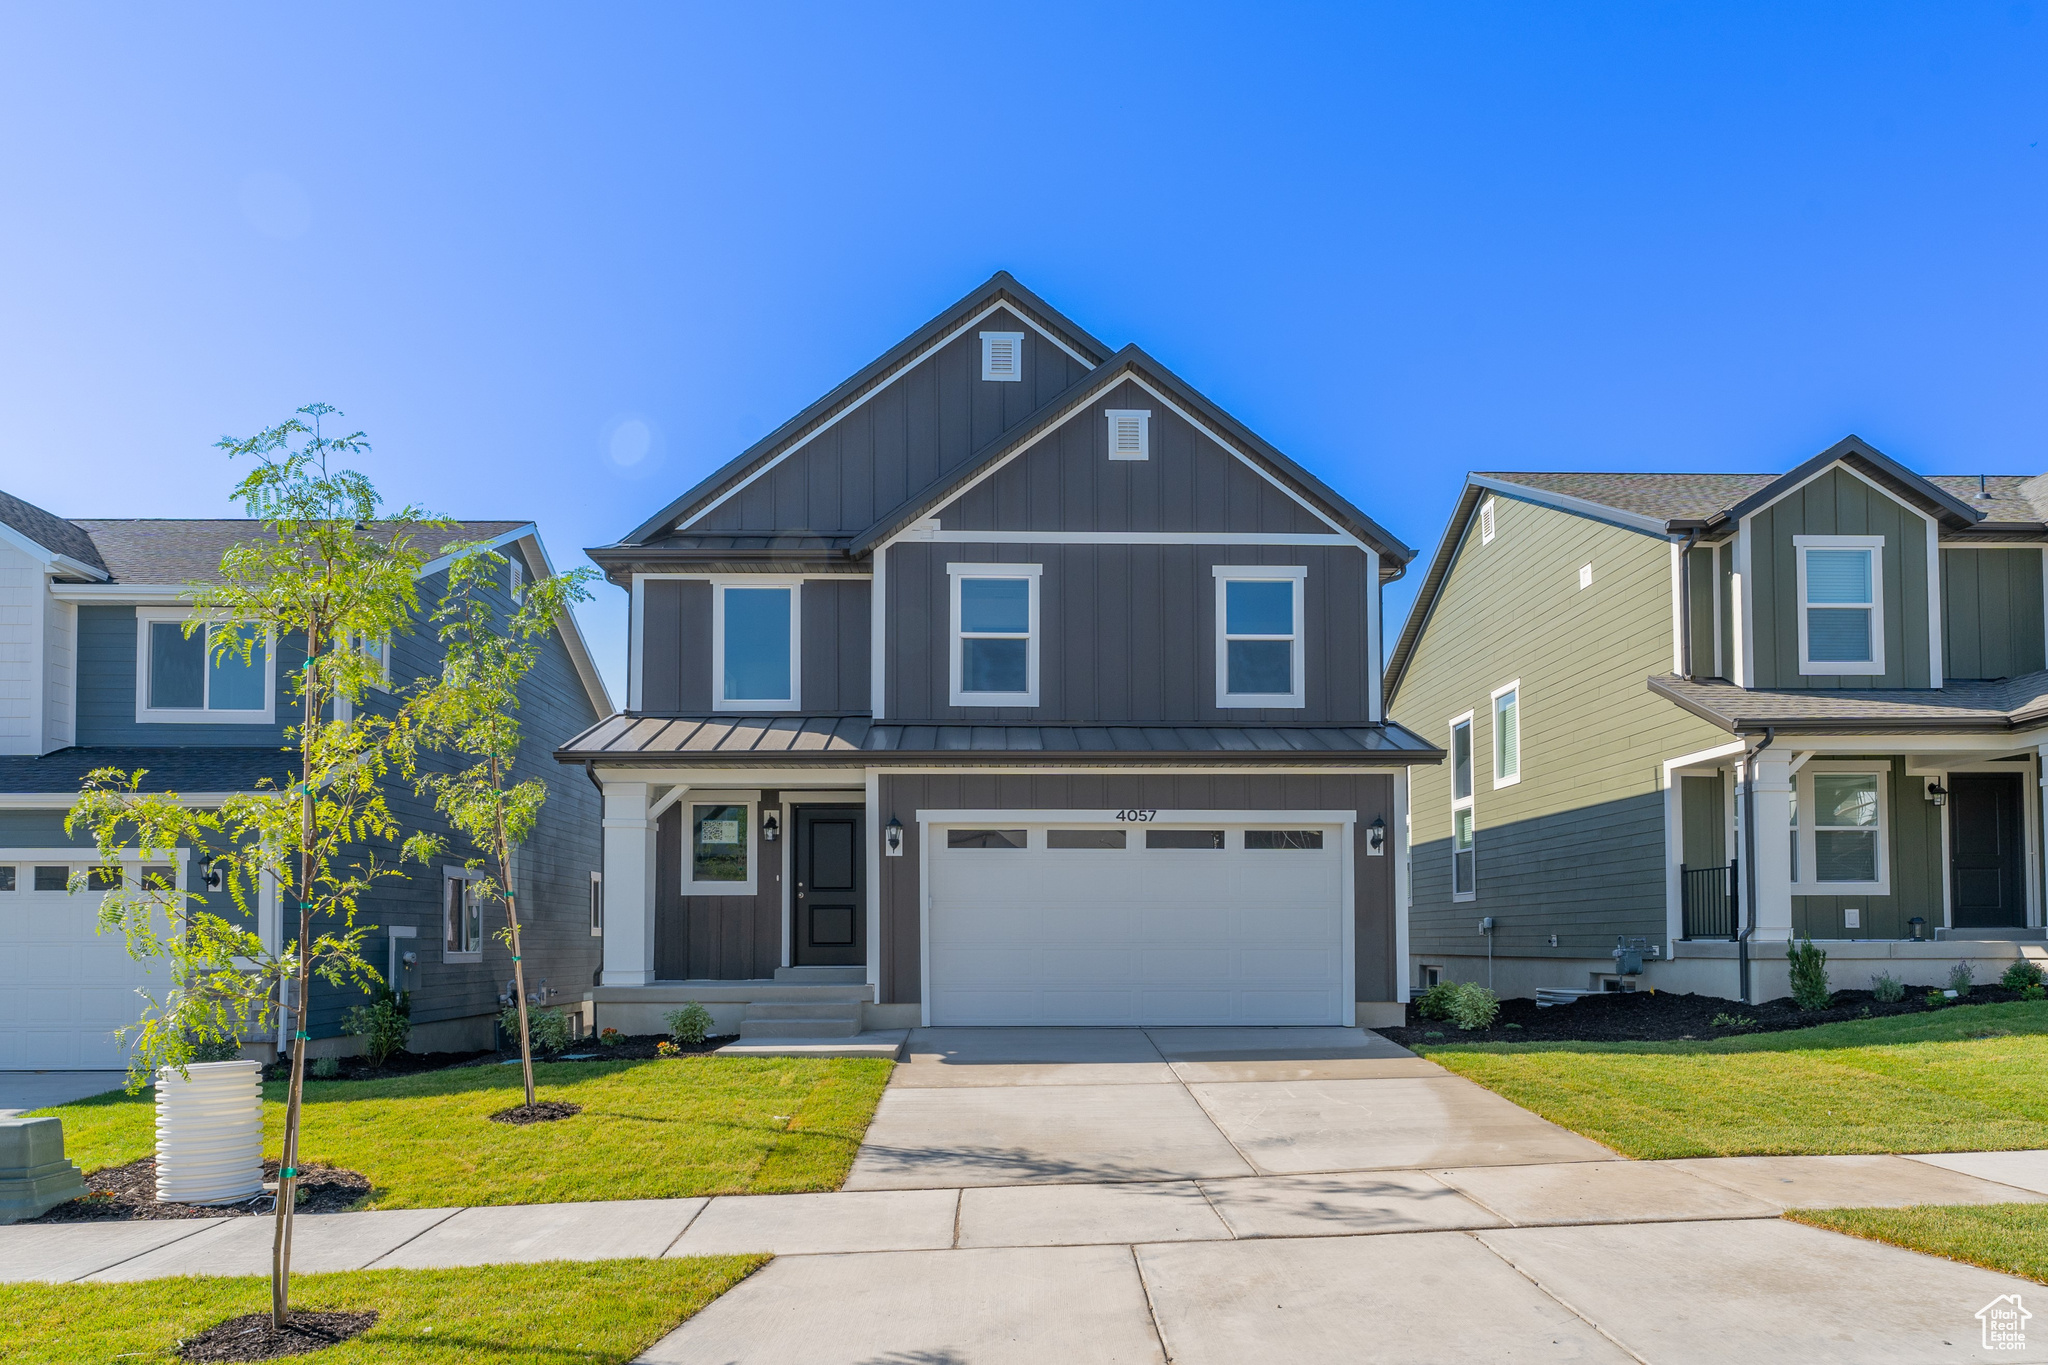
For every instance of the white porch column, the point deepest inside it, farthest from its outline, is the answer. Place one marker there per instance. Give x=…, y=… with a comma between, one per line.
x=2038, y=914
x=1772, y=913
x=628, y=885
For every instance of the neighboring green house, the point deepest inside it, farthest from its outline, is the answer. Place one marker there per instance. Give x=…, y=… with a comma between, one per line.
x=1600, y=654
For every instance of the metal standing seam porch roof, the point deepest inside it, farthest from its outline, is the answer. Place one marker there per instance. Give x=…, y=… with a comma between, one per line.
x=724, y=739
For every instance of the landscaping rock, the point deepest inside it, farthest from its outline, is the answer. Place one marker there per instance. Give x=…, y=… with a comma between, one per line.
x=251, y=1337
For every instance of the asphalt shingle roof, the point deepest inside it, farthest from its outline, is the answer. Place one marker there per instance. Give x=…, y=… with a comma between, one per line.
x=2001, y=704
x=152, y=550
x=1696, y=497
x=191, y=769
x=49, y=530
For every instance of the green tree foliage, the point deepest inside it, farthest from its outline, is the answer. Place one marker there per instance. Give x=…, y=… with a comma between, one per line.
x=329, y=572
x=1809, y=972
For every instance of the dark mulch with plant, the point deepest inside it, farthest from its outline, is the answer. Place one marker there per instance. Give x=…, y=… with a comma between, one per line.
x=251, y=1337
x=1662, y=1016
x=638, y=1047
x=540, y=1111
x=122, y=1193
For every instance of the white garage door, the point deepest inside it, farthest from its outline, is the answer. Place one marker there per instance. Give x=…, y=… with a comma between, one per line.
x=64, y=989
x=1185, y=918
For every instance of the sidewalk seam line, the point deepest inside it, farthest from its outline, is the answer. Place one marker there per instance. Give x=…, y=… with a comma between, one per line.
x=1151, y=1309
x=1216, y=1212
x=205, y=1225
x=1253, y=1166
x=959, y=1200
x=410, y=1240
x=1557, y=1299
x=688, y=1223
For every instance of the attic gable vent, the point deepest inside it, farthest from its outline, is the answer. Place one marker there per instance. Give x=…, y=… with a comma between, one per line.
x=1486, y=522
x=1130, y=434
x=1002, y=355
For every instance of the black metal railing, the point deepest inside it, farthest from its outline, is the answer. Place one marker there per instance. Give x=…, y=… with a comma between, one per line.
x=1711, y=901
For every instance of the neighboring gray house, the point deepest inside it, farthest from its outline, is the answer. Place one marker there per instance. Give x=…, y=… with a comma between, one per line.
x=95, y=671
x=1600, y=654
x=1012, y=682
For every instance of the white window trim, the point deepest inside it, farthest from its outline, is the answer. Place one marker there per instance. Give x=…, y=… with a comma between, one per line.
x=1144, y=418
x=1807, y=884
x=689, y=803
x=1874, y=544
x=464, y=875
x=1486, y=522
x=1031, y=573
x=1494, y=705
x=1226, y=574
x=1016, y=340
x=719, y=701
x=1459, y=803
x=597, y=905
x=145, y=714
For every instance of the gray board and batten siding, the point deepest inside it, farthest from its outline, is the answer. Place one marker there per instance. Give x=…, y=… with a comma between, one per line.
x=903, y=796
x=1991, y=613
x=907, y=435
x=1838, y=503
x=1575, y=848
x=833, y=645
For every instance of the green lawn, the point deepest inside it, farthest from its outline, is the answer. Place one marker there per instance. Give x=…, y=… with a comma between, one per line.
x=2009, y=1238
x=648, y=1130
x=1960, y=1079
x=573, y=1312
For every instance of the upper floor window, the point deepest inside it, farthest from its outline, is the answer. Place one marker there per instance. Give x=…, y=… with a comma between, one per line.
x=462, y=917
x=1841, y=604
x=1259, y=635
x=1464, y=866
x=755, y=646
x=218, y=674
x=1507, y=735
x=995, y=634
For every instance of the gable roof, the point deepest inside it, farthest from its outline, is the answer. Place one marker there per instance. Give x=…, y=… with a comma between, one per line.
x=50, y=531
x=1000, y=288
x=166, y=552
x=1133, y=363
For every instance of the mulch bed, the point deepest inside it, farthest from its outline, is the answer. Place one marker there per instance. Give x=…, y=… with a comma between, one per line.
x=251, y=1337
x=124, y=1193
x=540, y=1111
x=1662, y=1016
x=639, y=1047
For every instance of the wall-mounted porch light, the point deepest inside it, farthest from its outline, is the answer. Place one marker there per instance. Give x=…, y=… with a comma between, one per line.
x=770, y=827
x=1937, y=793
x=1376, y=838
x=892, y=838
x=1917, y=925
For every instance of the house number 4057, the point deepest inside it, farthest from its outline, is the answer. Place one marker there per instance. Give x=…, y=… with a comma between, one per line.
x=1137, y=816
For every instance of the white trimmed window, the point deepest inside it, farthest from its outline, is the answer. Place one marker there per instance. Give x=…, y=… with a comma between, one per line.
x=718, y=857
x=1464, y=861
x=1840, y=847
x=1259, y=637
x=995, y=634
x=1486, y=522
x=596, y=904
x=1507, y=734
x=1002, y=355
x=1130, y=433
x=378, y=652
x=200, y=678
x=462, y=917
x=1841, y=604
x=756, y=645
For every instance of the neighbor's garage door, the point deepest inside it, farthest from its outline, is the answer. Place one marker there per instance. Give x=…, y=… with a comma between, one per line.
x=64, y=989
x=1215, y=920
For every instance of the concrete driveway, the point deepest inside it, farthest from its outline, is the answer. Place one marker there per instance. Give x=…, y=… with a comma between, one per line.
x=21, y=1091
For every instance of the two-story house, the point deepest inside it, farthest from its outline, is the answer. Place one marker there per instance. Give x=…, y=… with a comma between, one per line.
x=96, y=671
x=1624, y=667
x=1012, y=682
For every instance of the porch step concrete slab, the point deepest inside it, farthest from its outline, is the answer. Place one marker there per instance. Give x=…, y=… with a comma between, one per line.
x=1015, y=1306
x=1601, y=1192
x=1271, y=1044
x=1042, y=1134
x=1411, y=1123
x=838, y=976
x=321, y=1242
x=886, y=1044
x=807, y=1224
x=1826, y=1182
x=1765, y=1292
x=1343, y=1205
x=2021, y=1170
x=1086, y=1215
x=1430, y=1296
x=753, y=1030
x=57, y=1252
x=781, y=1009
x=512, y=1233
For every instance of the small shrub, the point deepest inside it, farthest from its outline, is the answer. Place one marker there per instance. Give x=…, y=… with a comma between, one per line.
x=1935, y=1000
x=1961, y=977
x=216, y=1049
x=1473, y=1006
x=611, y=1037
x=665, y=1048
x=1433, y=1036
x=1809, y=975
x=326, y=1068
x=547, y=1028
x=1435, y=1003
x=384, y=1025
x=2021, y=975
x=1510, y=1025
x=2037, y=991
x=1737, y=1021
x=688, y=1025
x=1887, y=988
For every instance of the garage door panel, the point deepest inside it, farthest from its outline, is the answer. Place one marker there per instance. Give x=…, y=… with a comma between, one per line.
x=1298, y=965
x=67, y=987
x=1111, y=1005
x=1108, y=967
x=1286, y=1007
x=1188, y=966
x=1187, y=1006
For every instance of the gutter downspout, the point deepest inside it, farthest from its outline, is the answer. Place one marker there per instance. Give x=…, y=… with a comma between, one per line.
x=1685, y=604
x=1749, y=854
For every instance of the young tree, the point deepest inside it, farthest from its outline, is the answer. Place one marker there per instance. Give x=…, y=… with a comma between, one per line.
x=472, y=711
x=328, y=575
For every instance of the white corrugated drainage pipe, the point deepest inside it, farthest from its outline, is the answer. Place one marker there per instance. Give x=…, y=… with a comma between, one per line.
x=209, y=1133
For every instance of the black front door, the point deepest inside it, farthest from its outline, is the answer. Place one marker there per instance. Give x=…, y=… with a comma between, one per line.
x=831, y=888
x=1987, y=850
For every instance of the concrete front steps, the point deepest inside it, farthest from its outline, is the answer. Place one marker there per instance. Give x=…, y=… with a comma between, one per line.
x=824, y=1023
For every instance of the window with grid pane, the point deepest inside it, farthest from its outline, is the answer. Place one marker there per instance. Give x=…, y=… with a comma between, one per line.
x=1259, y=619
x=995, y=640
x=1845, y=827
x=1841, y=604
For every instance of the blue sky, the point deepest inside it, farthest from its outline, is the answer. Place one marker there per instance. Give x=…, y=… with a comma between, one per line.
x=561, y=262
